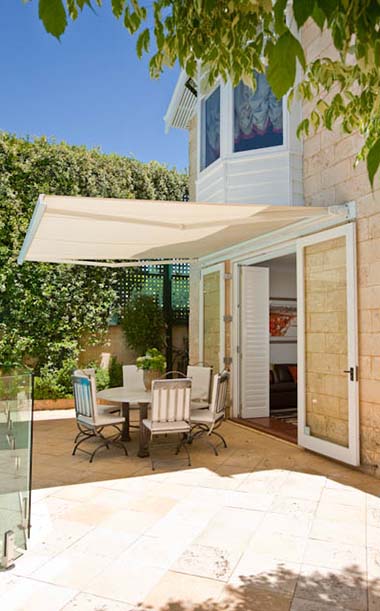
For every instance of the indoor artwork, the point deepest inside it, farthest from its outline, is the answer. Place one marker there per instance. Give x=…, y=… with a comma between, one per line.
x=283, y=320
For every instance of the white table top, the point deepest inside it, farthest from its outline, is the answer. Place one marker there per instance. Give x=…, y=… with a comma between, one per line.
x=121, y=394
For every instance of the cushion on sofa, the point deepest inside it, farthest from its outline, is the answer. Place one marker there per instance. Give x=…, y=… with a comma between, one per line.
x=283, y=387
x=282, y=373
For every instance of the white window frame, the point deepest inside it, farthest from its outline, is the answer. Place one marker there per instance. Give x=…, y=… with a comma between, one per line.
x=260, y=152
x=204, y=272
x=202, y=99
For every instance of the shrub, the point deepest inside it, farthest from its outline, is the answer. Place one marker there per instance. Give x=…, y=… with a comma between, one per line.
x=53, y=382
x=115, y=373
x=153, y=360
x=143, y=324
x=45, y=309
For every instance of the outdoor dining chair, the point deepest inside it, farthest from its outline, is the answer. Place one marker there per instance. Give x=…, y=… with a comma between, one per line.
x=170, y=413
x=92, y=423
x=206, y=421
x=102, y=409
x=133, y=378
x=201, y=377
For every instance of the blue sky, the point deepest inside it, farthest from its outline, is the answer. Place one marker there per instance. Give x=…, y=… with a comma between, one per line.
x=90, y=88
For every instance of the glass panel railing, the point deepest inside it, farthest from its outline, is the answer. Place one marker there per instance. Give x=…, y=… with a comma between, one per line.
x=16, y=415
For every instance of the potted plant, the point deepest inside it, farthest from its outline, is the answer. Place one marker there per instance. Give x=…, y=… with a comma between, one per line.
x=153, y=364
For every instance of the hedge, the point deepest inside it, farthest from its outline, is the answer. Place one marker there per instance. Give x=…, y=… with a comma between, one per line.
x=46, y=309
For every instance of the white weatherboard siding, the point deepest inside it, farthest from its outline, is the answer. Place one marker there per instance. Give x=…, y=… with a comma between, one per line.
x=272, y=174
x=274, y=177
x=254, y=338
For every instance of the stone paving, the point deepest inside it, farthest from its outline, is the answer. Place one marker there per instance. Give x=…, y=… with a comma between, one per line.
x=264, y=526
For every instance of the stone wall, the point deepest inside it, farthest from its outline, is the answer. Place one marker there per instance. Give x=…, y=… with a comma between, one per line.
x=326, y=341
x=332, y=178
x=115, y=345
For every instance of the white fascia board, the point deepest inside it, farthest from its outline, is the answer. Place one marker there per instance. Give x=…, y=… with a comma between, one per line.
x=175, y=100
x=337, y=215
x=38, y=213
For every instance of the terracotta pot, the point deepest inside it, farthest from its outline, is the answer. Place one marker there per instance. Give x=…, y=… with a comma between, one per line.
x=149, y=376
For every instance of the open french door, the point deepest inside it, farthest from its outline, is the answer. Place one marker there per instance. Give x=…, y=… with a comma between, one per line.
x=328, y=412
x=254, y=342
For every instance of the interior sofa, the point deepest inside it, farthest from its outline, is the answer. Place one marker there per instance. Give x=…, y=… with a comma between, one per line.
x=283, y=386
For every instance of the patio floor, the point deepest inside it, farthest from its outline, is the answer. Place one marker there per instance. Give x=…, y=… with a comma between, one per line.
x=264, y=526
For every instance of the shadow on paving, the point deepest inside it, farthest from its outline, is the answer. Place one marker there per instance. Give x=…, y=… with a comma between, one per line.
x=248, y=451
x=281, y=589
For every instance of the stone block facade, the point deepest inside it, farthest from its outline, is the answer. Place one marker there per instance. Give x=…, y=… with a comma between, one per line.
x=326, y=341
x=331, y=177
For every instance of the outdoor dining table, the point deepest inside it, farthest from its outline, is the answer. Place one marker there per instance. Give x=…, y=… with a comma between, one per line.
x=126, y=398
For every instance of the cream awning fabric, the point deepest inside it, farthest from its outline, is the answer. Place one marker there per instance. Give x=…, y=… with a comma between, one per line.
x=89, y=230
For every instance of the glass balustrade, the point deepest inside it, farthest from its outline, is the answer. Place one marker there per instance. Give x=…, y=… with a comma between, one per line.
x=16, y=416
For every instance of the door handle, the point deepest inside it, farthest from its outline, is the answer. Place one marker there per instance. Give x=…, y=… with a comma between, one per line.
x=351, y=371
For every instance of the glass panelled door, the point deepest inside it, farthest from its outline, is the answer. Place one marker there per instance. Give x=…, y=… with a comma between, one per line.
x=211, y=317
x=327, y=350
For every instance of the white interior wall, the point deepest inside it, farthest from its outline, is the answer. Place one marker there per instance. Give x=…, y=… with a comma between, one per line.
x=282, y=284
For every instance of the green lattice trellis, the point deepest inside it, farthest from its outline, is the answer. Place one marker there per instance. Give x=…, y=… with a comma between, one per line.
x=149, y=280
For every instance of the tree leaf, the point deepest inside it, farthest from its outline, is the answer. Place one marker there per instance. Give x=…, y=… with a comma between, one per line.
x=143, y=42
x=118, y=8
x=73, y=9
x=279, y=16
x=53, y=15
x=281, y=74
x=302, y=9
x=319, y=17
x=327, y=7
x=373, y=160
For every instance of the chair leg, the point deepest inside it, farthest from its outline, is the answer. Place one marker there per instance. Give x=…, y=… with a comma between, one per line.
x=83, y=431
x=204, y=434
x=107, y=441
x=76, y=445
x=102, y=445
x=220, y=437
x=211, y=445
x=120, y=444
x=184, y=444
x=151, y=453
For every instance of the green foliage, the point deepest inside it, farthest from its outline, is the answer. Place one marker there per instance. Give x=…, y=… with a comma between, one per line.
x=232, y=37
x=55, y=382
x=46, y=309
x=102, y=377
x=143, y=323
x=153, y=360
x=115, y=373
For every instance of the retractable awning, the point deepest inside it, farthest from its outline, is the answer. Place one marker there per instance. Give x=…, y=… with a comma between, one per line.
x=97, y=231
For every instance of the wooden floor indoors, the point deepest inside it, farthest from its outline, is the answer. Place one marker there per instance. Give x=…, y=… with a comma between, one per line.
x=277, y=428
